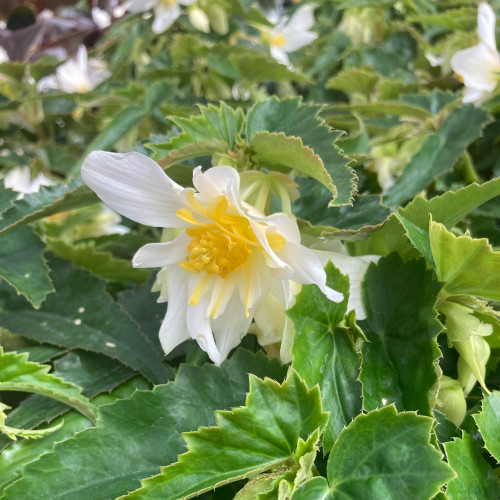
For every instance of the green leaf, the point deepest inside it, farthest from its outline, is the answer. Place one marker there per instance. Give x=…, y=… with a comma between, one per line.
x=49, y=200
x=297, y=119
x=418, y=237
x=19, y=374
x=324, y=354
x=399, y=360
x=476, y=478
x=206, y=147
x=82, y=315
x=438, y=153
x=95, y=373
x=276, y=149
x=23, y=266
x=255, y=67
x=383, y=109
x=488, y=422
x=24, y=452
x=467, y=266
x=316, y=488
x=452, y=206
x=259, y=436
x=384, y=455
x=101, y=264
x=462, y=19
x=129, y=443
x=223, y=124
x=354, y=81
x=348, y=222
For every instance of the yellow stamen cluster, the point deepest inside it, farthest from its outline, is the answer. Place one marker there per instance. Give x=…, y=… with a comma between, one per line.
x=279, y=40
x=224, y=244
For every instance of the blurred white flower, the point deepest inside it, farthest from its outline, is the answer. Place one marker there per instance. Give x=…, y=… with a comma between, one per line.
x=19, y=179
x=4, y=57
x=166, y=11
x=101, y=18
x=479, y=66
x=291, y=34
x=434, y=60
x=218, y=271
x=78, y=75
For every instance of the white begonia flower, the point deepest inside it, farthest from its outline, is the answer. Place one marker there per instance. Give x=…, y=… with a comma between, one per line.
x=166, y=11
x=4, y=57
x=101, y=18
x=292, y=34
x=229, y=257
x=78, y=75
x=479, y=66
x=19, y=179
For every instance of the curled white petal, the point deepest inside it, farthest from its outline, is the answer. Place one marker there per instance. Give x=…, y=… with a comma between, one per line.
x=134, y=186
x=486, y=25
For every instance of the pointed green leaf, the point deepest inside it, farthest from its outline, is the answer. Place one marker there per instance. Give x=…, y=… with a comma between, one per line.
x=23, y=452
x=23, y=266
x=94, y=373
x=476, y=478
x=257, y=437
x=222, y=124
x=297, y=119
x=206, y=147
x=82, y=315
x=382, y=108
x=130, y=443
x=354, y=81
x=438, y=153
x=467, y=266
x=384, y=455
x=419, y=238
x=101, y=264
x=488, y=422
x=452, y=206
x=19, y=374
x=316, y=488
x=49, y=200
x=255, y=67
x=276, y=149
x=324, y=354
x=399, y=360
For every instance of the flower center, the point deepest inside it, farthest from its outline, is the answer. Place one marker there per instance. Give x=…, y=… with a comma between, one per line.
x=168, y=3
x=223, y=245
x=279, y=40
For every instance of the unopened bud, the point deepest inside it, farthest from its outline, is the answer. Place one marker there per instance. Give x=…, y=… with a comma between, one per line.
x=451, y=401
x=199, y=19
x=218, y=19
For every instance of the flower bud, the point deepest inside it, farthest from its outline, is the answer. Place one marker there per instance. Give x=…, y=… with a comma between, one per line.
x=451, y=401
x=199, y=19
x=474, y=354
x=218, y=19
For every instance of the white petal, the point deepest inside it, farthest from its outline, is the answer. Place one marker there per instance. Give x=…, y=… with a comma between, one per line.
x=174, y=329
x=280, y=55
x=473, y=95
x=355, y=268
x=81, y=59
x=162, y=254
x=270, y=317
x=222, y=291
x=134, y=186
x=46, y=83
x=186, y=2
x=165, y=17
x=308, y=269
x=302, y=19
x=486, y=25
x=297, y=40
x=101, y=18
x=216, y=181
x=198, y=324
x=230, y=327
x=477, y=66
x=250, y=289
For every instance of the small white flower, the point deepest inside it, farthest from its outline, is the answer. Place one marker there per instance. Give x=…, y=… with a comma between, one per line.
x=4, y=57
x=218, y=271
x=101, y=18
x=76, y=75
x=479, y=66
x=292, y=34
x=19, y=179
x=166, y=11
